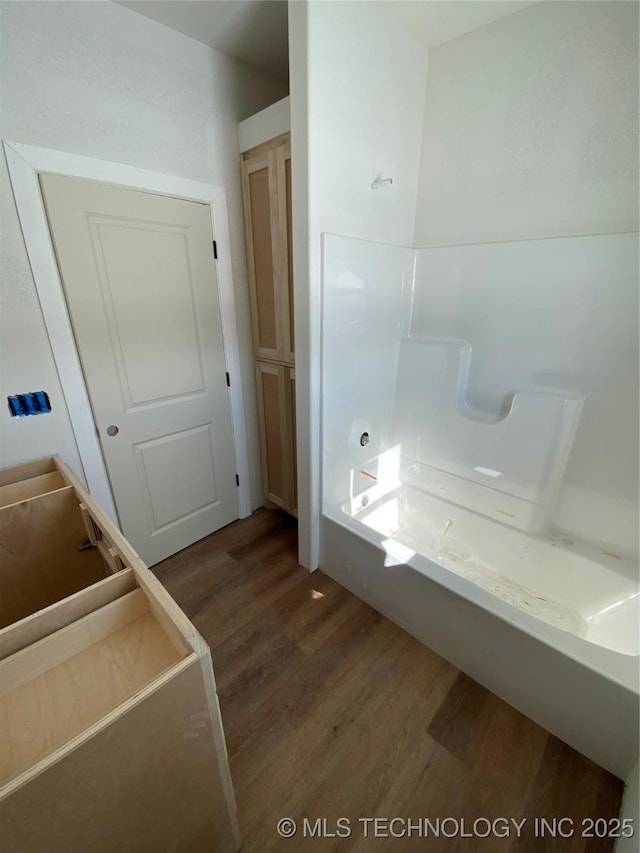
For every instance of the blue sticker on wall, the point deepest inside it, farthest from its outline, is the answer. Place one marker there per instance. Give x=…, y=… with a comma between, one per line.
x=32, y=403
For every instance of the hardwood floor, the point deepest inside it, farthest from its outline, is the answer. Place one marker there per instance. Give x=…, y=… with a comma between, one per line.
x=331, y=711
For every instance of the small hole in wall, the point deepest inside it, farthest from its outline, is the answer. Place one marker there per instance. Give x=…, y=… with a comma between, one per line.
x=30, y=403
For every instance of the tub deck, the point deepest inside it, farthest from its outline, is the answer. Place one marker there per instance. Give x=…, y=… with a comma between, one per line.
x=589, y=591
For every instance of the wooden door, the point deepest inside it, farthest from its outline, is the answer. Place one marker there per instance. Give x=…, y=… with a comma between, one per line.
x=271, y=386
x=140, y=281
x=276, y=410
x=266, y=186
x=264, y=253
x=266, y=183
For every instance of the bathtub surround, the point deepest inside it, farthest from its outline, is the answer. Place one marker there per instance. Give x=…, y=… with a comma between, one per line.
x=529, y=131
x=473, y=420
x=527, y=128
x=542, y=330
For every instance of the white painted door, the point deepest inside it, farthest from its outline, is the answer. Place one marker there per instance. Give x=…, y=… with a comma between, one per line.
x=140, y=282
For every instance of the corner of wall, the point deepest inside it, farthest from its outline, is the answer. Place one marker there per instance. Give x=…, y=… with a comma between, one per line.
x=306, y=302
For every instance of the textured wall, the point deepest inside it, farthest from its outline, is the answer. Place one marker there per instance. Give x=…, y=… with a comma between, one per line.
x=531, y=127
x=99, y=80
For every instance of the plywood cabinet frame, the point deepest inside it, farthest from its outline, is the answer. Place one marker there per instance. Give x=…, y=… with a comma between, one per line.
x=43, y=530
x=48, y=790
x=273, y=287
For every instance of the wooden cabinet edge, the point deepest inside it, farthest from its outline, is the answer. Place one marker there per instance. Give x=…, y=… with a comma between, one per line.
x=274, y=155
x=34, y=628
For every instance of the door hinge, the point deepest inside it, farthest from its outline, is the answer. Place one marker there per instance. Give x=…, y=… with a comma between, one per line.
x=228, y=381
x=215, y=250
x=237, y=480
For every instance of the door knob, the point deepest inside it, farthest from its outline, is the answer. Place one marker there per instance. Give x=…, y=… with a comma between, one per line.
x=112, y=430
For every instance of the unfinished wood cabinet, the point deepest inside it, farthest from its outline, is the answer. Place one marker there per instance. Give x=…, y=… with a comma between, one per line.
x=266, y=183
x=44, y=529
x=276, y=410
x=110, y=726
x=266, y=187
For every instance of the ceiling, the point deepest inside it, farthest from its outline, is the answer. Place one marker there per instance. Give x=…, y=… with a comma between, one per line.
x=255, y=31
x=441, y=20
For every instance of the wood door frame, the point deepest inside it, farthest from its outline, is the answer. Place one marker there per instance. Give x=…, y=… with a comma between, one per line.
x=26, y=163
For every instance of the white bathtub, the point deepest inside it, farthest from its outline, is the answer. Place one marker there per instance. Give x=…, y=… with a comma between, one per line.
x=546, y=623
x=462, y=433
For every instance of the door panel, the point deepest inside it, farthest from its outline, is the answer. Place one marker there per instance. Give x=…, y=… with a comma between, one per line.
x=259, y=186
x=140, y=282
x=270, y=384
x=139, y=264
x=276, y=411
x=178, y=475
x=267, y=338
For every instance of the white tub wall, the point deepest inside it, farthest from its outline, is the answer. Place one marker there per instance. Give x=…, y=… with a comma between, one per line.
x=358, y=76
x=366, y=293
x=270, y=122
x=100, y=80
x=559, y=313
x=630, y=810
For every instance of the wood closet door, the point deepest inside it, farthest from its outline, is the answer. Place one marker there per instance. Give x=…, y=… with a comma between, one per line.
x=265, y=260
x=276, y=405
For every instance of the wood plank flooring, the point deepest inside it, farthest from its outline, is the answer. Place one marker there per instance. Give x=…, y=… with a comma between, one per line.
x=331, y=711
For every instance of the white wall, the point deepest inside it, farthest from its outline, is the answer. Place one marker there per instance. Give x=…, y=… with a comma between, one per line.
x=273, y=121
x=531, y=127
x=100, y=80
x=358, y=78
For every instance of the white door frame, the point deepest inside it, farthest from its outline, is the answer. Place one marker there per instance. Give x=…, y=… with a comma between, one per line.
x=25, y=163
